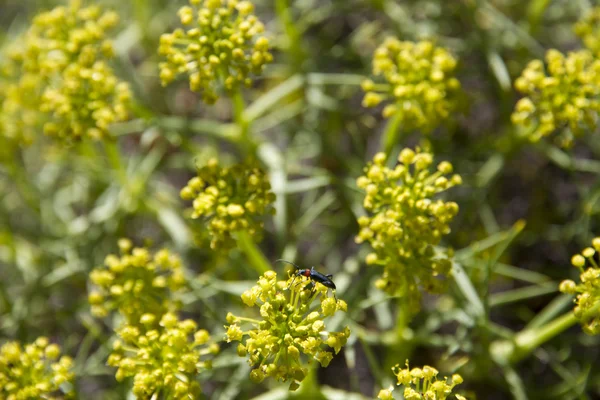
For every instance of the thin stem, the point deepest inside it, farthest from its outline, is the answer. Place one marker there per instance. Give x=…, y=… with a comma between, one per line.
x=391, y=134
x=255, y=256
x=283, y=11
x=529, y=340
x=113, y=153
x=247, y=146
x=526, y=341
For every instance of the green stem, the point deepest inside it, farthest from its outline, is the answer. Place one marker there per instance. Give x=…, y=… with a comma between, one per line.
x=18, y=173
x=526, y=341
x=253, y=253
x=391, y=134
x=283, y=11
x=535, y=11
x=113, y=154
x=247, y=146
x=309, y=389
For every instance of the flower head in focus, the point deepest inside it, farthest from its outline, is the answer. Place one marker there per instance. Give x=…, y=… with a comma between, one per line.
x=406, y=222
x=56, y=78
x=137, y=283
x=422, y=384
x=288, y=334
x=419, y=83
x=166, y=359
x=221, y=44
x=230, y=199
x=34, y=371
x=587, y=300
x=561, y=96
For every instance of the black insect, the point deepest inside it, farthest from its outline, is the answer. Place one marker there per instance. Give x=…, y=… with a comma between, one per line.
x=313, y=275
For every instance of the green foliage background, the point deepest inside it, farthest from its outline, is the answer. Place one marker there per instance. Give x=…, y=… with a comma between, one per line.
x=524, y=208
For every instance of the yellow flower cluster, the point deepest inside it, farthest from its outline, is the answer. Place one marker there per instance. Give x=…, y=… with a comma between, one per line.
x=56, y=77
x=587, y=309
x=422, y=384
x=230, y=199
x=34, y=372
x=406, y=222
x=588, y=29
x=138, y=284
x=163, y=360
x=563, y=96
x=161, y=352
x=221, y=44
x=420, y=83
x=287, y=328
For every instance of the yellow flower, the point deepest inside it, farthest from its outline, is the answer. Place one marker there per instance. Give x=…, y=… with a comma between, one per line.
x=422, y=384
x=587, y=300
x=221, y=44
x=287, y=328
x=420, y=83
x=166, y=359
x=34, y=371
x=406, y=222
x=230, y=199
x=56, y=79
x=587, y=28
x=139, y=284
x=561, y=96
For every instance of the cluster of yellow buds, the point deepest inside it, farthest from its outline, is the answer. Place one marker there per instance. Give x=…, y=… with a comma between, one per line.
x=563, y=96
x=588, y=29
x=587, y=309
x=34, y=371
x=420, y=83
x=287, y=328
x=221, y=44
x=57, y=79
x=138, y=284
x=164, y=360
x=422, y=384
x=230, y=199
x=407, y=222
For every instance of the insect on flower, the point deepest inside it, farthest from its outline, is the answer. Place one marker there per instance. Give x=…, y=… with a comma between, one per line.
x=314, y=276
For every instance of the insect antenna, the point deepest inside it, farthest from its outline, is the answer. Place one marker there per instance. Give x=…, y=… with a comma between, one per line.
x=288, y=262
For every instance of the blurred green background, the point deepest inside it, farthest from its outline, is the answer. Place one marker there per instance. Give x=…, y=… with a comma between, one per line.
x=524, y=208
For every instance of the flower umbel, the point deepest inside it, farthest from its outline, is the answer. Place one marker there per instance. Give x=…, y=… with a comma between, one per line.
x=58, y=79
x=164, y=360
x=230, y=199
x=139, y=284
x=422, y=384
x=563, y=96
x=34, y=371
x=588, y=29
x=420, y=83
x=406, y=221
x=587, y=309
x=287, y=328
x=221, y=44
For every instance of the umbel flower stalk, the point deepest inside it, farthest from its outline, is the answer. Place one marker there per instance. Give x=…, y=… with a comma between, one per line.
x=587, y=300
x=57, y=78
x=230, y=201
x=220, y=46
x=406, y=222
x=291, y=332
x=164, y=360
x=562, y=95
x=140, y=285
x=34, y=371
x=420, y=87
x=422, y=384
